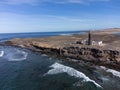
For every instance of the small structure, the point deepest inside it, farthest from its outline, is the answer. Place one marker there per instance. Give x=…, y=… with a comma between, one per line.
x=96, y=42
x=84, y=42
x=89, y=41
x=89, y=38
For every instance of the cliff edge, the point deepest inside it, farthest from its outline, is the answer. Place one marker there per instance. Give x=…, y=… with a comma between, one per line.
x=107, y=54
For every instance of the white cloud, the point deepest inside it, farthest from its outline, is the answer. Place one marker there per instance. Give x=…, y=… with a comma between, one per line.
x=32, y=2
x=51, y=17
x=13, y=22
x=75, y=1
x=12, y=2
x=23, y=23
x=69, y=19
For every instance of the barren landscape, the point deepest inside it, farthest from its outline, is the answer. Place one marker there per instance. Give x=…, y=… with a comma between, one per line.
x=107, y=54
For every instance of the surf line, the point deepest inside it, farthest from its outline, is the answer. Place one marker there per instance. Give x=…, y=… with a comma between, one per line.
x=59, y=68
x=1, y=53
x=114, y=72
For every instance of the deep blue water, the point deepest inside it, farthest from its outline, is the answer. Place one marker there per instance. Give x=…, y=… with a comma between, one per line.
x=6, y=36
x=21, y=69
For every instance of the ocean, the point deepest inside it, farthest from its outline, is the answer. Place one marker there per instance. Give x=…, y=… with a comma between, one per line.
x=22, y=69
x=7, y=36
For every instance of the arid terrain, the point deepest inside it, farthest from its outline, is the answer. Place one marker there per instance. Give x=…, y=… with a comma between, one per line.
x=107, y=54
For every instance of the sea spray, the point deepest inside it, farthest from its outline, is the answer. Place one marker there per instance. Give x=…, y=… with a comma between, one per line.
x=59, y=68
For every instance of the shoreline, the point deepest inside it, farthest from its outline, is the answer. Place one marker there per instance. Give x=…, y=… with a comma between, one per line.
x=107, y=55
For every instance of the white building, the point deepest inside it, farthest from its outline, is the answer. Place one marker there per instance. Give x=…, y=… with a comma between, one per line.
x=97, y=42
x=89, y=41
x=85, y=42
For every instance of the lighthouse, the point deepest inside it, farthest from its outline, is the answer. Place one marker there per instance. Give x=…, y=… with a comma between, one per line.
x=89, y=38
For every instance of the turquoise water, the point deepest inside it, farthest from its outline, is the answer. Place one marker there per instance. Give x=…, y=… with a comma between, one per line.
x=21, y=69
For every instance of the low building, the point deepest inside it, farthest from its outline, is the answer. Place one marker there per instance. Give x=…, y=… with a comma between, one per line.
x=89, y=41
x=85, y=42
x=97, y=42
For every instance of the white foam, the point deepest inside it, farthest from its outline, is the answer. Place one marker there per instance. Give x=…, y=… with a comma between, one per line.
x=44, y=55
x=59, y=68
x=114, y=72
x=1, y=53
x=66, y=34
x=14, y=58
x=78, y=84
x=105, y=78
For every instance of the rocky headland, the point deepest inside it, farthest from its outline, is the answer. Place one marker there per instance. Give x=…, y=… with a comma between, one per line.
x=107, y=54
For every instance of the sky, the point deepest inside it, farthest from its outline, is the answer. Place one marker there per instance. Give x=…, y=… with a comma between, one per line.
x=58, y=15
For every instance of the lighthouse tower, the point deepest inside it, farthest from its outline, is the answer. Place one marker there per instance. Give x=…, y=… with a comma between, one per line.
x=89, y=38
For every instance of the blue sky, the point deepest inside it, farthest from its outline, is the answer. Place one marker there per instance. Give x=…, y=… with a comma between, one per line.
x=58, y=15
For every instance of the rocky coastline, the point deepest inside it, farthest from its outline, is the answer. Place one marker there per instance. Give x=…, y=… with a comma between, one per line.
x=107, y=54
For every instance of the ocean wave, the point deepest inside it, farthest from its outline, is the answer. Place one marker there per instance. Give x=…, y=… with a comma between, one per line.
x=1, y=53
x=114, y=72
x=44, y=55
x=59, y=68
x=104, y=78
x=66, y=34
x=17, y=56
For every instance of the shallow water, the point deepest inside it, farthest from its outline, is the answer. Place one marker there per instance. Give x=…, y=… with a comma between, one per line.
x=21, y=69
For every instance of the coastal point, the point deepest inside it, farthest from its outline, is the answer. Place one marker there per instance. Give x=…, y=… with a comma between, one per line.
x=105, y=52
x=59, y=44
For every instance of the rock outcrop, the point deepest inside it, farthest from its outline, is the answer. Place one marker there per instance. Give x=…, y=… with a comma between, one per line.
x=66, y=46
x=110, y=58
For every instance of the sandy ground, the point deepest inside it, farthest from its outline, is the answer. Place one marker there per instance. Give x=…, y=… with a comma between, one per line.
x=110, y=40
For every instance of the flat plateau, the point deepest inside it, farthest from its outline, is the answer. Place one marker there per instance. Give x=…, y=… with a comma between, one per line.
x=107, y=54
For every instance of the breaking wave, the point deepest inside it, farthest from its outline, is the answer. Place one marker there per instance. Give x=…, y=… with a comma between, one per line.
x=59, y=68
x=66, y=34
x=44, y=55
x=18, y=56
x=12, y=54
x=1, y=53
x=114, y=72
